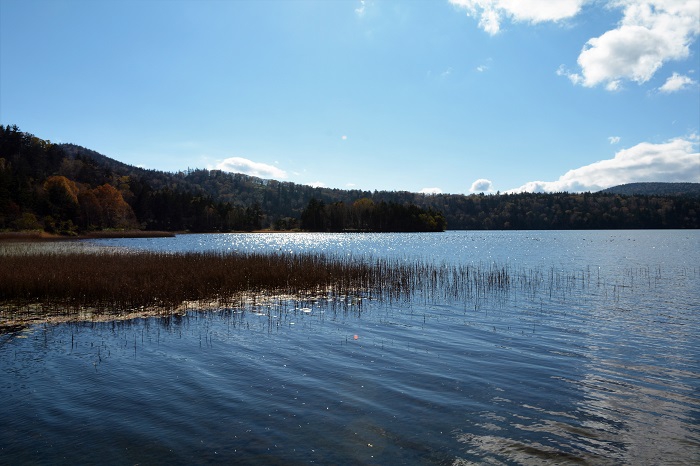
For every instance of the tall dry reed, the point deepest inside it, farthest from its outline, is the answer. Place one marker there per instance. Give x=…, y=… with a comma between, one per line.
x=108, y=281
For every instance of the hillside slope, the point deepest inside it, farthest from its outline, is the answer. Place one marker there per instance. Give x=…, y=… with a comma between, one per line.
x=68, y=188
x=656, y=189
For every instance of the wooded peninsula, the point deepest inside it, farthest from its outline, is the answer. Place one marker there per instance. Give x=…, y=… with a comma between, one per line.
x=67, y=189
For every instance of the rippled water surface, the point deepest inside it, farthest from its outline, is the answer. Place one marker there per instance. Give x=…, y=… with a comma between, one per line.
x=596, y=364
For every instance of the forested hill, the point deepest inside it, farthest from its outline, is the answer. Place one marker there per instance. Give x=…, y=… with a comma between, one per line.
x=656, y=189
x=67, y=188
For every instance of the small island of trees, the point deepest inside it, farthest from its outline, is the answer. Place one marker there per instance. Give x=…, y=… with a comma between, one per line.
x=367, y=216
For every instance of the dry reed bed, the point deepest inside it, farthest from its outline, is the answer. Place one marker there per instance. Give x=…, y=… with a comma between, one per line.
x=36, y=283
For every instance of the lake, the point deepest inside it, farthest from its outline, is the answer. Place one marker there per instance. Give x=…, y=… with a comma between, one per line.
x=595, y=362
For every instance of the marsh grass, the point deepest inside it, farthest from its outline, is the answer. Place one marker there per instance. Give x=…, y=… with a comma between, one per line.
x=83, y=283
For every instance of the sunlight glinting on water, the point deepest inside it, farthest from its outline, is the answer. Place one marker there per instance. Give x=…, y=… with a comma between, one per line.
x=589, y=354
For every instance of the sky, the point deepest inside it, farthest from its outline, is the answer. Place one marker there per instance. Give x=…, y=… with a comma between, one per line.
x=439, y=96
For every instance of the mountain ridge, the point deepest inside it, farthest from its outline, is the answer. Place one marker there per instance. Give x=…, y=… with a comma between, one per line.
x=67, y=187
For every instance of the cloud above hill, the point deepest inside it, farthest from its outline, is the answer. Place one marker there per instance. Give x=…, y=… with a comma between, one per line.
x=677, y=160
x=482, y=185
x=248, y=167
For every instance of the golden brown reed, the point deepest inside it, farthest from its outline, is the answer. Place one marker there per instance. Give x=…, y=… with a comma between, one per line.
x=37, y=283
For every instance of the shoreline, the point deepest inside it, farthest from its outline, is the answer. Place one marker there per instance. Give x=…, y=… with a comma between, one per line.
x=42, y=236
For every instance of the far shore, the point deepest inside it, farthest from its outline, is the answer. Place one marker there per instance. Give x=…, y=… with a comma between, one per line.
x=31, y=236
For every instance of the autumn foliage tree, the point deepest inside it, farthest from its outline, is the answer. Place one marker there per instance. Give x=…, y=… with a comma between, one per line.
x=61, y=199
x=113, y=211
x=68, y=206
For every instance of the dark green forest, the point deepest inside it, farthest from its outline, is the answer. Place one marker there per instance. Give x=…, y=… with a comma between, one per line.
x=68, y=189
x=656, y=189
x=366, y=215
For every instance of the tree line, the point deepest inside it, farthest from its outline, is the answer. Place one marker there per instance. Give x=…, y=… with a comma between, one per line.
x=568, y=211
x=66, y=188
x=282, y=204
x=366, y=215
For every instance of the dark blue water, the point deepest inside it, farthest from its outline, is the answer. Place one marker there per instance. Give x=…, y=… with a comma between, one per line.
x=597, y=364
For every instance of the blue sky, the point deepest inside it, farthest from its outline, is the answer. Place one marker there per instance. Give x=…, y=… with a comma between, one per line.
x=453, y=96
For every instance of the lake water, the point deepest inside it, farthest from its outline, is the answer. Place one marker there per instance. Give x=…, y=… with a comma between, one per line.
x=598, y=363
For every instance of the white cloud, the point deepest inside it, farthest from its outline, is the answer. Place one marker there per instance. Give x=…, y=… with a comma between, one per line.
x=575, y=78
x=614, y=85
x=676, y=82
x=651, y=33
x=248, y=167
x=673, y=161
x=537, y=11
x=482, y=185
x=614, y=139
x=316, y=184
x=492, y=12
x=360, y=10
x=430, y=191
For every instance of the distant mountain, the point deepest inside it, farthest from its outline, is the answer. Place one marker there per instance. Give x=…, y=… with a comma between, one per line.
x=655, y=189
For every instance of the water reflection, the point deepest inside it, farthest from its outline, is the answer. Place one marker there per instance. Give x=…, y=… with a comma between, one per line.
x=628, y=397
